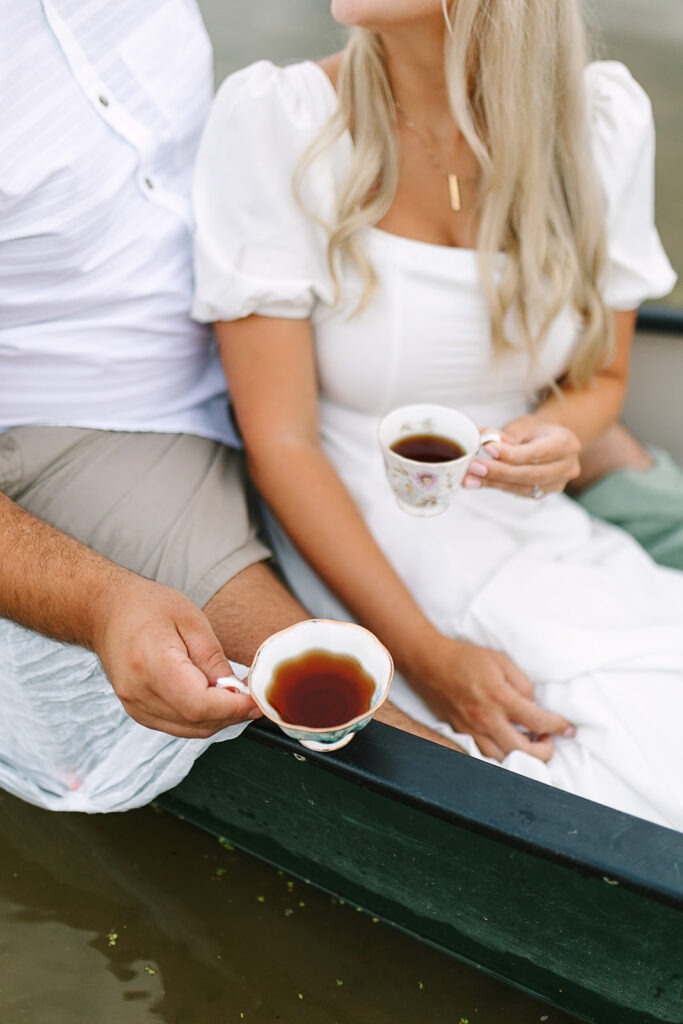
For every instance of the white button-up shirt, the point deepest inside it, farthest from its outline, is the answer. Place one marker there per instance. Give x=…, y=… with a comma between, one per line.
x=101, y=105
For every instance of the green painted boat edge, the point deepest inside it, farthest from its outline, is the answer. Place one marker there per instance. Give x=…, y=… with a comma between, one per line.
x=598, y=930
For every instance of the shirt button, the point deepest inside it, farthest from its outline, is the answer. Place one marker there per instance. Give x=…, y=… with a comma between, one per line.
x=149, y=183
x=104, y=101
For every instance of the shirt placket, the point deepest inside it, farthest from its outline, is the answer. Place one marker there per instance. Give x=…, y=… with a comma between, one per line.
x=110, y=110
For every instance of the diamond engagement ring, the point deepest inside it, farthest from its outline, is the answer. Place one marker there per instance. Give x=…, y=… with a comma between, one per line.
x=536, y=492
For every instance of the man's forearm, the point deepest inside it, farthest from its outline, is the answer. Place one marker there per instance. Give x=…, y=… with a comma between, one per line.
x=391, y=715
x=48, y=581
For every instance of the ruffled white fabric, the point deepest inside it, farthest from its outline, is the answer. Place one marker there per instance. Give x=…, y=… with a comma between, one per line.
x=66, y=742
x=254, y=252
x=623, y=144
x=578, y=605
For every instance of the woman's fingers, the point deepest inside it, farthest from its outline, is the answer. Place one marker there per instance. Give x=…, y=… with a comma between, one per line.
x=531, y=455
x=508, y=738
x=540, y=747
x=488, y=747
x=550, y=447
x=520, y=478
x=537, y=720
x=517, y=678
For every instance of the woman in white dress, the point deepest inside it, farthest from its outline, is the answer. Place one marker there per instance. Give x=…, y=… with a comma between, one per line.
x=349, y=273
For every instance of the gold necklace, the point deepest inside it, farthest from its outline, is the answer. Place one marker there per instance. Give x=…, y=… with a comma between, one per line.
x=451, y=177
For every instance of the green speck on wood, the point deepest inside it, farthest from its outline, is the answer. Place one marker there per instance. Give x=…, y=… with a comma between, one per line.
x=301, y=903
x=339, y=981
x=261, y=899
x=220, y=871
x=111, y=938
x=150, y=970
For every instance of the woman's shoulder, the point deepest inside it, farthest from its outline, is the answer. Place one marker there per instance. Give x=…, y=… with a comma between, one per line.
x=620, y=112
x=622, y=140
x=300, y=95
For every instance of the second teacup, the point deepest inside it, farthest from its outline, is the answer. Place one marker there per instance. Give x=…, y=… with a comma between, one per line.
x=427, y=451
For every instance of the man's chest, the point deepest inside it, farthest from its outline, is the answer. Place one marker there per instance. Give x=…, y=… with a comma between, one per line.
x=95, y=102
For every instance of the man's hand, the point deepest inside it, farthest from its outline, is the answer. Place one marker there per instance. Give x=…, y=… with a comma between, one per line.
x=481, y=692
x=532, y=456
x=162, y=658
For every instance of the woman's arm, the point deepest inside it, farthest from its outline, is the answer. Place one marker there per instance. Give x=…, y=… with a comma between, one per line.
x=270, y=365
x=543, y=449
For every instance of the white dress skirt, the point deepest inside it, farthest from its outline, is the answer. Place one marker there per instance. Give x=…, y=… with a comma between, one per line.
x=577, y=604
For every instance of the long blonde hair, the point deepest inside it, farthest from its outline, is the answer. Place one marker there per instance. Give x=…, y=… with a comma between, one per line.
x=514, y=72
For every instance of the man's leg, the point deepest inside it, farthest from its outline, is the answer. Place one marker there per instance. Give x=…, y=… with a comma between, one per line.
x=248, y=608
x=616, y=450
x=642, y=493
x=168, y=507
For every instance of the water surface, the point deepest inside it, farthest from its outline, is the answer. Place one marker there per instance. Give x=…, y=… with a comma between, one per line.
x=136, y=918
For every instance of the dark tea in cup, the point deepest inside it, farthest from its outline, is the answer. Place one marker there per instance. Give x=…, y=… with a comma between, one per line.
x=319, y=680
x=428, y=448
x=320, y=689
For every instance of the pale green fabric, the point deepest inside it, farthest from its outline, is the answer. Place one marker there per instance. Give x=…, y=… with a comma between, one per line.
x=648, y=505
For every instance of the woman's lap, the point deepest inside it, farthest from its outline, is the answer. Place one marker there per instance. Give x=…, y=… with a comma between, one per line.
x=625, y=751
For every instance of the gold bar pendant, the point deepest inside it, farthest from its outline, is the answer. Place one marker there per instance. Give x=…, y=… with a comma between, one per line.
x=454, y=192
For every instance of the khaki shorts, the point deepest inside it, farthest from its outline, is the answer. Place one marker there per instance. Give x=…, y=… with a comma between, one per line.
x=171, y=507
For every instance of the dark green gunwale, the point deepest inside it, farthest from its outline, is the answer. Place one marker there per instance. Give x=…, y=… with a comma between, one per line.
x=574, y=902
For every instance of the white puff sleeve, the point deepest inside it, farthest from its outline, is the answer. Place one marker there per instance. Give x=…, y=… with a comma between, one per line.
x=256, y=250
x=623, y=145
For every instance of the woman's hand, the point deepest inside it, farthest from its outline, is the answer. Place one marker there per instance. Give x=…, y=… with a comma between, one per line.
x=533, y=458
x=481, y=692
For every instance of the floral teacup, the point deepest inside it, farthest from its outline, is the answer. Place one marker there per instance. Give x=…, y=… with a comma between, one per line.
x=426, y=488
x=336, y=638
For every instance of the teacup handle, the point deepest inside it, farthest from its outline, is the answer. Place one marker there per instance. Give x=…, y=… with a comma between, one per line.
x=233, y=684
x=489, y=435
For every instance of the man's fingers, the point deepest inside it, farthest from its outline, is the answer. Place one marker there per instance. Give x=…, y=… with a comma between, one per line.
x=179, y=692
x=198, y=718
x=204, y=706
x=203, y=648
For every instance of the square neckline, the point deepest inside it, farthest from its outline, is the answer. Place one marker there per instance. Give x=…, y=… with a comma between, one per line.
x=380, y=232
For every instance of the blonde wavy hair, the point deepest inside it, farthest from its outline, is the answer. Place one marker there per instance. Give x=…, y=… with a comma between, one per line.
x=514, y=73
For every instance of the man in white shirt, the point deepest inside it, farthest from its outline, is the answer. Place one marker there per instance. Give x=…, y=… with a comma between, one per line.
x=113, y=416
x=116, y=460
